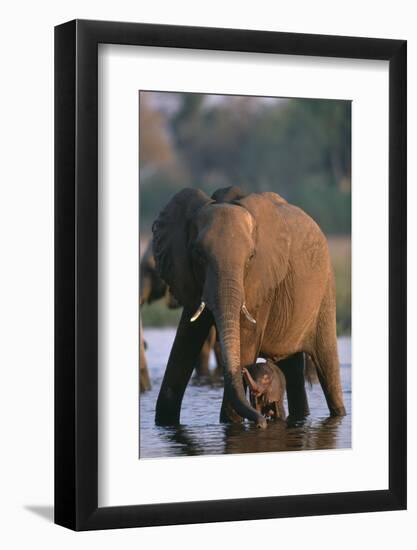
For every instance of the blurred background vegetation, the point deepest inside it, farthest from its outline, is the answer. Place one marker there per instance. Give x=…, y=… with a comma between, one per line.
x=299, y=148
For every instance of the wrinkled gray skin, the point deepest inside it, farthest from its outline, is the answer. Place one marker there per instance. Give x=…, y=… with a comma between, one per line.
x=266, y=384
x=153, y=288
x=262, y=268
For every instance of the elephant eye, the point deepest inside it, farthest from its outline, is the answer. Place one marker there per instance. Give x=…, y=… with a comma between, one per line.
x=251, y=256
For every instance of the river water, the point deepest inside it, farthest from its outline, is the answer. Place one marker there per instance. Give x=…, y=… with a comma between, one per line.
x=201, y=433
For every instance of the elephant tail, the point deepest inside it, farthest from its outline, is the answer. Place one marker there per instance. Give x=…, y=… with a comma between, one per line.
x=310, y=371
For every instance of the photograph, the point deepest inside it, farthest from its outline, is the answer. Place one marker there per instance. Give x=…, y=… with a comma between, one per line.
x=245, y=274
x=208, y=281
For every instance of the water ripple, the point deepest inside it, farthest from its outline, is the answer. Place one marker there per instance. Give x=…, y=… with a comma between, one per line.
x=201, y=433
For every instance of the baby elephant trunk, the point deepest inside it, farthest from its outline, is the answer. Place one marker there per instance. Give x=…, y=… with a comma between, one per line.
x=255, y=388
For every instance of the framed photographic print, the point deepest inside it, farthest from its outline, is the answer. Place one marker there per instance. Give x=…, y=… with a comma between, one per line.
x=230, y=254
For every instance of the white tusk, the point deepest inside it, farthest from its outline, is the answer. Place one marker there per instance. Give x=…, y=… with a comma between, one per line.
x=248, y=315
x=198, y=312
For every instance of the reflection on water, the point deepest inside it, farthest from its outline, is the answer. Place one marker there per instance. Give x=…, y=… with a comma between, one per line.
x=201, y=433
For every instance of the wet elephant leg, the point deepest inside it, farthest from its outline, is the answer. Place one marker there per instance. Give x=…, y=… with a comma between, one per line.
x=144, y=379
x=182, y=359
x=328, y=371
x=293, y=369
x=326, y=357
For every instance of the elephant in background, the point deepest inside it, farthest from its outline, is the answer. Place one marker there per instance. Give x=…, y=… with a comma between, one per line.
x=153, y=288
x=258, y=268
x=144, y=379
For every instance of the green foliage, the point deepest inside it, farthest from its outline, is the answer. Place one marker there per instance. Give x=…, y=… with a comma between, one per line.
x=159, y=315
x=299, y=148
x=330, y=208
x=340, y=252
x=155, y=193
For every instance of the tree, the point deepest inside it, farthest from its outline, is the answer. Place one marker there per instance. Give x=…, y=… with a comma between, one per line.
x=155, y=149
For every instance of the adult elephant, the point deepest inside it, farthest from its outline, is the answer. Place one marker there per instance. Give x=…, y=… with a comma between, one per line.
x=153, y=288
x=259, y=269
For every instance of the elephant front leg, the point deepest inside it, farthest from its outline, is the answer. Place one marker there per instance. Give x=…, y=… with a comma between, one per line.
x=182, y=359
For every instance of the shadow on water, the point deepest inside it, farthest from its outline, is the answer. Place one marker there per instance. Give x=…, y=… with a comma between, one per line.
x=246, y=438
x=284, y=436
x=201, y=433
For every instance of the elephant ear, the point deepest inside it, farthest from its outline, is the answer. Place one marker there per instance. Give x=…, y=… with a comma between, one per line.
x=170, y=240
x=272, y=248
x=228, y=194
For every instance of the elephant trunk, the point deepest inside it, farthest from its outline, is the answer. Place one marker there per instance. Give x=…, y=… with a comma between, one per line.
x=226, y=303
x=254, y=387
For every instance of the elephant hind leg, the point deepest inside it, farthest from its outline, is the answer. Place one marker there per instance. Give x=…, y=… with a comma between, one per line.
x=327, y=364
x=144, y=379
x=293, y=369
x=326, y=360
x=202, y=368
x=218, y=371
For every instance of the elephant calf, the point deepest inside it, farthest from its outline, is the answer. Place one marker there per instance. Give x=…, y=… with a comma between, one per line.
x=266, y=384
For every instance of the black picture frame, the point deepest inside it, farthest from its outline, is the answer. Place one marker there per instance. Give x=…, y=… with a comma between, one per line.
x=76, y=272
